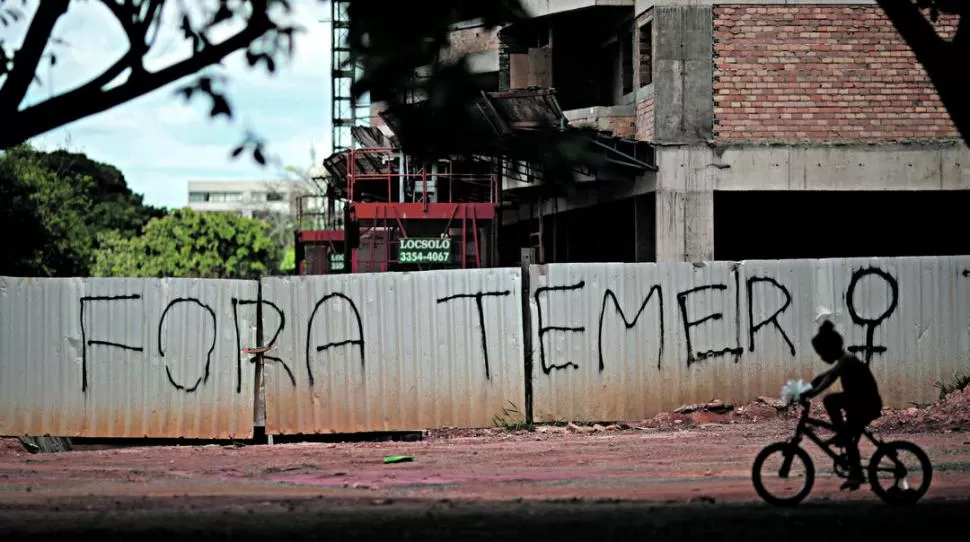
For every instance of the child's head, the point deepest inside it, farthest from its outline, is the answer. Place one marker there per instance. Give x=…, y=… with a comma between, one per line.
x=828, y=342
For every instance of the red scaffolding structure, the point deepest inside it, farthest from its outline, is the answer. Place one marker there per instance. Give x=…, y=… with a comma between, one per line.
x=390, y=202
x=320, y=235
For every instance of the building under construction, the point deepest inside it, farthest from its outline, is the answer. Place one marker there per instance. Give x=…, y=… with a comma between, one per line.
x=390, y=213
x=716, y=113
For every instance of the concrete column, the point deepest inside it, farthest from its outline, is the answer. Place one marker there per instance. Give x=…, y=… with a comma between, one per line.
x=684, y=120
x=685, y=204
x=683, y=74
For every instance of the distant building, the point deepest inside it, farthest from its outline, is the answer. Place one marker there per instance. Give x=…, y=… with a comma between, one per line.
x=253, y=199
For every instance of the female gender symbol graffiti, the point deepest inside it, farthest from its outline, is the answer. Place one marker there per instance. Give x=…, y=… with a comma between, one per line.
x=870, y=324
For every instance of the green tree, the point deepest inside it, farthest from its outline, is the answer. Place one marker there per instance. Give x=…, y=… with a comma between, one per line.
x=187, y=243
x=73, y=199
x=114, y=205
x=288, y=263
x=19, y=217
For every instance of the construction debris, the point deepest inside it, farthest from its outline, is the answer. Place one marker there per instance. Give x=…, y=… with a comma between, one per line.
x=714, y=406
x=952, y=413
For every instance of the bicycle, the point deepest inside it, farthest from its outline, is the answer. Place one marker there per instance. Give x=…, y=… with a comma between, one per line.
x=900, y=493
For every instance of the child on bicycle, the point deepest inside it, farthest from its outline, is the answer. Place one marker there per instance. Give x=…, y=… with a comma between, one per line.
x=859, y=397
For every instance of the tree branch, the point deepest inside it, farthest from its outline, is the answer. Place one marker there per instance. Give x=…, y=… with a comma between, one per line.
x=937, y=56
x=912, y=26
x=27, y=59
x=154, y=10
x=134, y=31
x=89, y=99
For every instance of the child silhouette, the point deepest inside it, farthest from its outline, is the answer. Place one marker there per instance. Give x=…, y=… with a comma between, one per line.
x=859, y=398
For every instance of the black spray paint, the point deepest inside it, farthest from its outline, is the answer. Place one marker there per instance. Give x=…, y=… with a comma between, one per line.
x=543, y=330
x=773, y=319
x=272, y=341
x=656, y=289
x=359, y=341
x=208, y=355
x=481, y=318
x=85, y=343
x=870, y=323
x=694, y=357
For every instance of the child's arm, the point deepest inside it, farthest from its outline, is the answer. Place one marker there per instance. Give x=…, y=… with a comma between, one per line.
x=821, y=382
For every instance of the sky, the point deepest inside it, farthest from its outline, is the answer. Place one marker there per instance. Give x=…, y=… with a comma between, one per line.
x=158, y=141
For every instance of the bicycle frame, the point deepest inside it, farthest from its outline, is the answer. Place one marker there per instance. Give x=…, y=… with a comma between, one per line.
x=805, y=428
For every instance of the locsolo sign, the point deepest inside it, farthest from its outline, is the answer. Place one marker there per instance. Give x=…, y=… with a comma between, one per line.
x=425, y=250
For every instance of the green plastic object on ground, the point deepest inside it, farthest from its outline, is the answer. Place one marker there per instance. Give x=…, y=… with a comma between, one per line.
x=398, y=458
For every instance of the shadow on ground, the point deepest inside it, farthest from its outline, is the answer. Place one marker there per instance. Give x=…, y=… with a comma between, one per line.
x=321, y=519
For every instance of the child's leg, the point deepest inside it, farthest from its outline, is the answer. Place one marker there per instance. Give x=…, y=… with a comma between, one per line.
x=834, y=403
x=854, y=425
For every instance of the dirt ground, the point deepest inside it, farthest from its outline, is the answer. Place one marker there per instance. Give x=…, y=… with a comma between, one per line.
x=704, y=451
x=701, y=455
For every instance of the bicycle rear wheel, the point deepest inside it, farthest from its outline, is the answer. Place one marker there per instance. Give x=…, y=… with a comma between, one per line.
x=791, y=455
x=887, y=459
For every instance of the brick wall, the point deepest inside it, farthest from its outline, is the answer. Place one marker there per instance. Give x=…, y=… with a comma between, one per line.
x=602, y=118
x=469, y=41
x=645, y=118
x=820, y=73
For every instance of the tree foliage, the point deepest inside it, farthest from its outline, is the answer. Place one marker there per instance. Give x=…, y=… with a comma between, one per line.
x=214, y=29
x=387, y=51
x=22, y=222
x=400, y=62
x=187, y=243
x=58, y=204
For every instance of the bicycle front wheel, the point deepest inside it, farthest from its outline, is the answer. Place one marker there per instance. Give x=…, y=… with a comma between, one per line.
x=911, y=479
x=782, y=469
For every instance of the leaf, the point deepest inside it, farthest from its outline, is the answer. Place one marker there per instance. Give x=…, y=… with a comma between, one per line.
x=220, y=106
x=186, y=27
x=237, y=151
x=186, y=92
x=259, y=157
x=222, y=14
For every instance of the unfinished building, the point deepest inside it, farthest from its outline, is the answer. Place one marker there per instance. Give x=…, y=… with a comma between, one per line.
x=740, y=129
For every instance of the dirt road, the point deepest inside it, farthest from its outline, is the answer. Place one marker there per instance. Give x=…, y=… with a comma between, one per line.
x=466, y=485
x=710, y=461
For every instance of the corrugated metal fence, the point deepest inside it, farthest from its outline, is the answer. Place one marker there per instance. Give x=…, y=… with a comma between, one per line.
x=126, y=357
x=395, y=351
x=405, y=351
x=625, y=341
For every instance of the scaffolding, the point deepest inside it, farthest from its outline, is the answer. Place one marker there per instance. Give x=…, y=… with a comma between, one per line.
x=435, y=204
x=346, y=111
